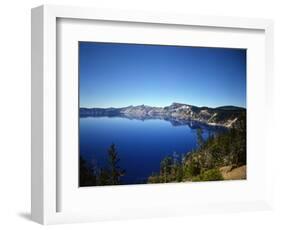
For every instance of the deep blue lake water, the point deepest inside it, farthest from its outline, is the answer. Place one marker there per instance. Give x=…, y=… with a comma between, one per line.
x=141, y=145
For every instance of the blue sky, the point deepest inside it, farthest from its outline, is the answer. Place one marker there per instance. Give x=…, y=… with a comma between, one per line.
x=118, y=75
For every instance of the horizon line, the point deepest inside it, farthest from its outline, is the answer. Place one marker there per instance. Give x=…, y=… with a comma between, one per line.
x=225, y=105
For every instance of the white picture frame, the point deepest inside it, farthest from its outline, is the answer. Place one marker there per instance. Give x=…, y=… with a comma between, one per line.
x=46, y=180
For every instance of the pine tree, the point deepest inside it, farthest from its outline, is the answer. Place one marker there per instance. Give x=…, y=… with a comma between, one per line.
x=166, y=168
x=87, y=176
x=115, y=172
x=103, y=177
x=200, y=140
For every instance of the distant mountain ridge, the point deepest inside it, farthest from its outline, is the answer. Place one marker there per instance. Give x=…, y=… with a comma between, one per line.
x=226, y=116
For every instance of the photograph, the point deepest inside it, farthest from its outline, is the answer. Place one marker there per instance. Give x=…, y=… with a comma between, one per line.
x=153, y=113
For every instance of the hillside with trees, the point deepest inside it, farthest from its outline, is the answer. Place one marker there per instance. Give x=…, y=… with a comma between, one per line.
x=220, y=157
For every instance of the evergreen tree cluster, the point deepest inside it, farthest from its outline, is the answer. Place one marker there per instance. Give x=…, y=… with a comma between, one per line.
x=203, y=164
x=91, y=175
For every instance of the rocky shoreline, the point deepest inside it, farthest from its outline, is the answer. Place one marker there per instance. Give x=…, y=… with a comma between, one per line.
x=225, y=116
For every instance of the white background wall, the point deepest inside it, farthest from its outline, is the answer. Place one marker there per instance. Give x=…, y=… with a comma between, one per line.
x=15, y=112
